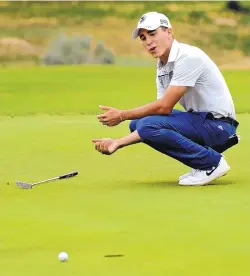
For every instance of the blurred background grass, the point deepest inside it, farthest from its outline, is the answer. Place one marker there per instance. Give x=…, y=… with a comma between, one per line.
x=67, y=90
x=223, y=34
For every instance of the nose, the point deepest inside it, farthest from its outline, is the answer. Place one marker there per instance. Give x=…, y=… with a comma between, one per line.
x=148, y=41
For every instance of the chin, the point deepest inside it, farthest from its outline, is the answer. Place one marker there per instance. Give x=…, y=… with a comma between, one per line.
x=155, y=55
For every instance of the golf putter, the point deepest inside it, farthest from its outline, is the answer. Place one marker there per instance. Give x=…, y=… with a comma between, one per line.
x=26, y=185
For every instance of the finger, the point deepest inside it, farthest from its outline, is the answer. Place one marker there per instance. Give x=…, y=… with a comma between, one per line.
x=102, y=148
x=105, y=147
x=96, y=140
x=104, y=120
x=103, y=107
x=101, y=116
x=105, y=123
x=97, y=146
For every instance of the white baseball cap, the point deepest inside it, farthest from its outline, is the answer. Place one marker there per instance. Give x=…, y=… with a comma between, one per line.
x=151, y=21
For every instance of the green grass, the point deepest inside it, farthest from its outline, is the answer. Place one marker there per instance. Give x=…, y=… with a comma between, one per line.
x=127, y=203
x=74, y=90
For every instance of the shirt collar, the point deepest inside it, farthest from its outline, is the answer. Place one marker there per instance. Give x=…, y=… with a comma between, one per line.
x=174, y=51
x=172, y=54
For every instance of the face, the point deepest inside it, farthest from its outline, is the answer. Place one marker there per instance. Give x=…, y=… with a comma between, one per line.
x=157, y=42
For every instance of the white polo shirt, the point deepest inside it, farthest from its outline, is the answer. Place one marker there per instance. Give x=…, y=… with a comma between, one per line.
x=190, y=66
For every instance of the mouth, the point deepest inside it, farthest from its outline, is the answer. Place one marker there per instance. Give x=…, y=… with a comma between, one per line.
x=152, y=49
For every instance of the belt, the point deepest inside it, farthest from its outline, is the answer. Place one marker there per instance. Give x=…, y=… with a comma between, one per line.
x=229, y=120
x=226, y=119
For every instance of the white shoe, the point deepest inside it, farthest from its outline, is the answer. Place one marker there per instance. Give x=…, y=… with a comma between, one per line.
x=191, y=173
x=186, y=175
x=198, y=177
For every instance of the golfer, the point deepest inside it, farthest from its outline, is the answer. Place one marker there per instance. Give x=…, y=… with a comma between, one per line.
x=197, y=136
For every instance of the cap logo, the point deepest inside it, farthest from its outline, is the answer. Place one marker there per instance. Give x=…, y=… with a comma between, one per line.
x=148, y=27
x=142, y=19
x=164, y=21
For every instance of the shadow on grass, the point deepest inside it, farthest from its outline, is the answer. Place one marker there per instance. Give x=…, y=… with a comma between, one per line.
x=174, y=183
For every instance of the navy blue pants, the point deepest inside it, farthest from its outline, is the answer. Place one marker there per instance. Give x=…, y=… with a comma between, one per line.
x=189, y=137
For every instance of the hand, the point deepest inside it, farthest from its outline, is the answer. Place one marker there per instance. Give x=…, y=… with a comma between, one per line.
x=111, y=116
x=106, y=145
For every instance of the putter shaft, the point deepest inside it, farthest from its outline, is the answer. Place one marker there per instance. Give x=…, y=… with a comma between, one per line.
x=25, y=185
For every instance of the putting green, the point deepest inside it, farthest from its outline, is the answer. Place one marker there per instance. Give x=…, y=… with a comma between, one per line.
x=128, y=204
x=125, y=204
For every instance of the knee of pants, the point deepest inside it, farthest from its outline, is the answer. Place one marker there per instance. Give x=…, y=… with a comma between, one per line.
x=132, y=125
x=145, y=128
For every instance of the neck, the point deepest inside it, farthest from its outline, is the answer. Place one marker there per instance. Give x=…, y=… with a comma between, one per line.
x=165, y=56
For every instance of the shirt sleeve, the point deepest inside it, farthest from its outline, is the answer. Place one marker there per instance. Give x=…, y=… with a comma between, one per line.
x=187, y=70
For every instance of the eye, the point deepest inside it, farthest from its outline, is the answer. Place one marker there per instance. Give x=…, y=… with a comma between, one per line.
x=152, y=34
x=143, y=38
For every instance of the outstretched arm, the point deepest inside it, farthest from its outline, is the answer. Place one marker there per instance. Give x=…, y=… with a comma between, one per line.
x=113, y=116
x=108, y=146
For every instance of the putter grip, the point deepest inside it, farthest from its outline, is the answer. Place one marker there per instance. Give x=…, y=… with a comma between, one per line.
x=67, y=175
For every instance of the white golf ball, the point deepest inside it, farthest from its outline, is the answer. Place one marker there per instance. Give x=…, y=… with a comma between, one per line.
x=63, y=257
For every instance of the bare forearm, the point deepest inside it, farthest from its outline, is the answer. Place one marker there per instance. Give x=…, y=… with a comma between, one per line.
x=154, y=108
x=130, y=139
x=162, y=106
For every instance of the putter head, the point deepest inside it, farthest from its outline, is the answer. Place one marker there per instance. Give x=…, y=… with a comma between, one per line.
x=23, y=185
